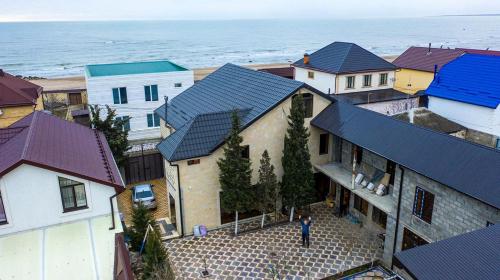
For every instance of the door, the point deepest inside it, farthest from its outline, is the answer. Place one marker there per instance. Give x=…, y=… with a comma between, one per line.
x=173, y=218
x=345, y=197
x=322, y=185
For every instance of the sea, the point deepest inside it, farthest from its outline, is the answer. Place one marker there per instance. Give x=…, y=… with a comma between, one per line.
x=60, y=49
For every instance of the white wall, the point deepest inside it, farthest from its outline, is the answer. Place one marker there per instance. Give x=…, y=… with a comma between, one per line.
x=327, y=82
x=358, y=86
x=479, y=118
x=100, y=91
x=392, y=107
x=32, y=199
x=322, y=81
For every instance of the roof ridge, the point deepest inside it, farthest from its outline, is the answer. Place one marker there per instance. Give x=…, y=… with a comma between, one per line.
x=30, y=134
x=345, y=57
x=104, y=156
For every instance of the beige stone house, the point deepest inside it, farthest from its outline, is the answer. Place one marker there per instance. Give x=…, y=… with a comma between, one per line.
x=195, y=123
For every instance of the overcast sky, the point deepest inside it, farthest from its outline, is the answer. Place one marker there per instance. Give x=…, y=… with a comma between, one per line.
x=48, y=10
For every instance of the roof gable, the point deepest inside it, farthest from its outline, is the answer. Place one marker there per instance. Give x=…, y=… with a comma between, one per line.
x=466, y=167
x=15, y=91
x=471, y=78
x=48, y=142
x=210, y=101
x=341, y=57
x=419, y=58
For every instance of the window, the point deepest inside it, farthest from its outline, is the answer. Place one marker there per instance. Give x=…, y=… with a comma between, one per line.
x=391, y=169
x=153, y=120
x=120, y=95
x=178, y=85
x=72, y=194
x=193, y=161
x=411, y=240
x=310, y=74
x=379, y=217
x=3, y=216
x=361, y=205
x=151, y=93
x=498, y=144
x=245, y=152
x=359, y=154
x=350, y=82
x=308, y=104
x=367, y=80
x=423, y=205
x=488, y=223
x=323, y=143
x=383, y=79
x=126, y=122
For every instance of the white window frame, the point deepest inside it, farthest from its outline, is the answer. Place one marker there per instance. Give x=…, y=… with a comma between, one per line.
x=353, y=82
x=369, y=80
x=386, y=79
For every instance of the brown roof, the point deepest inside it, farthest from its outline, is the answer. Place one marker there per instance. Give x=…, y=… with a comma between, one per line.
x=425, y=118
x=285, y=72
x=15, y=91
x=485, y=52
x=46, y=141
x=419, y=58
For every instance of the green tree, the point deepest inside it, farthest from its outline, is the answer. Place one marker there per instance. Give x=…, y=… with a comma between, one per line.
x=156, y=264
x=297, y=187
x=141, y=219
x=268, y=184
x=235, y=174
x=113, y=130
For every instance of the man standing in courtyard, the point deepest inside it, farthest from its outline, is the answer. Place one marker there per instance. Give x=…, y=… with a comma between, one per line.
x=306, y=225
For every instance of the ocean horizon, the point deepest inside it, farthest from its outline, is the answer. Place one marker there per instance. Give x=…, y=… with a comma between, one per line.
x=62, y=49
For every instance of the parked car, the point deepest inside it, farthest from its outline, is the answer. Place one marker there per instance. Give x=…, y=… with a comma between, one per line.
x=144, y=193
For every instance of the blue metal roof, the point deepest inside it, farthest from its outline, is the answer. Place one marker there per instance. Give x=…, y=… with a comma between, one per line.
x=474, y=255
x=341, y=57
x=466, y=167
x=147, y=67
x=471, y=78
x=201, y=114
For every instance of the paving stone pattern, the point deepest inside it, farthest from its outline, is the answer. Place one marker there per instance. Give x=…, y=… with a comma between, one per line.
x=336, y=245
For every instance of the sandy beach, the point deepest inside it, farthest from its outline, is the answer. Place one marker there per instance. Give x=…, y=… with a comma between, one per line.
x=78, y=82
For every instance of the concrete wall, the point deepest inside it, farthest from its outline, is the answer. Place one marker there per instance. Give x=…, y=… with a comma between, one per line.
x=11, y=115
x=392, y=107
x=200, y=182
x=453, y=213
x=479, y=118
x=32, y=199
x=100, y=91
x=411, y=81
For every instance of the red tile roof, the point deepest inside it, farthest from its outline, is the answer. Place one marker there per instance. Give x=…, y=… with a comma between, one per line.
x=46, y=141
x=15, y=91
x=485, y=52
x=419, y=58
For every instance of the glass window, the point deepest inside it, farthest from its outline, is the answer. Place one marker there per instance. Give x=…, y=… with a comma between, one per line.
x=411, y=240
x=245, y=152
x=120, y=95
x=361, y=205
x=151, y=93
x=308, y=105
x=367, y=80
x=310, y=74
x=350, y=82
x=323, y=143
x=379, y=217
x=178, y=85
x=3, y=215
x=153, y=120
x=72, y=194
x=423, y=205
x=126, y=122
x=383, y=79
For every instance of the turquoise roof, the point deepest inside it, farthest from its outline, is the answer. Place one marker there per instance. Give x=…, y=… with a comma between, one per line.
x=115, y=69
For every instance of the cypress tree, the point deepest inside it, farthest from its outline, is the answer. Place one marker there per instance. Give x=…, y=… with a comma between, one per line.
x=298, y=180
x=268, y=184
x=235, y=173
x=156, y=264
x=141, y=219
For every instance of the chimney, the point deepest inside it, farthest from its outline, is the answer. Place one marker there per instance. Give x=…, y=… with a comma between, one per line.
x=166, y=110
x=429, y=50
x=306, y=58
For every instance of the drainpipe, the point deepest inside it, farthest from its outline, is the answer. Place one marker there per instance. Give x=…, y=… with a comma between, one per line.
x=398, y=212
x=180, y=197
x=112, y=211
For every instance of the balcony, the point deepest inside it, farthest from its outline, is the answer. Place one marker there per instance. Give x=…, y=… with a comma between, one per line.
x=344, y=177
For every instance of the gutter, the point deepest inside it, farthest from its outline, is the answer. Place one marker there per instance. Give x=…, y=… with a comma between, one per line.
x=180, y=198
x=398, y=212
x=112, y=211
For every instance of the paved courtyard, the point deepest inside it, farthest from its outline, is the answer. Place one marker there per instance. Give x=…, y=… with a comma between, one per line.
x=336, y=245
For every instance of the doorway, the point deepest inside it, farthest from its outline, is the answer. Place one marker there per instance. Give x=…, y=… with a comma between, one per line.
x=345, y=198
x=173, y=219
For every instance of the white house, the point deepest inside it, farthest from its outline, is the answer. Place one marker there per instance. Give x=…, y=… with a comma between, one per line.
x=467, y=91
x=344, y=68
x=58, y=212
x=135, y=90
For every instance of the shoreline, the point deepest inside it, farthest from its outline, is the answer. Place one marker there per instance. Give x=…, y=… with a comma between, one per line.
x=78, y=82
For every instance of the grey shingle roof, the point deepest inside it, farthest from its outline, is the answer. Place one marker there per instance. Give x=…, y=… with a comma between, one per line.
x=466, y=167
x=474, y=255
x=342, y=57
x=201, y=114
